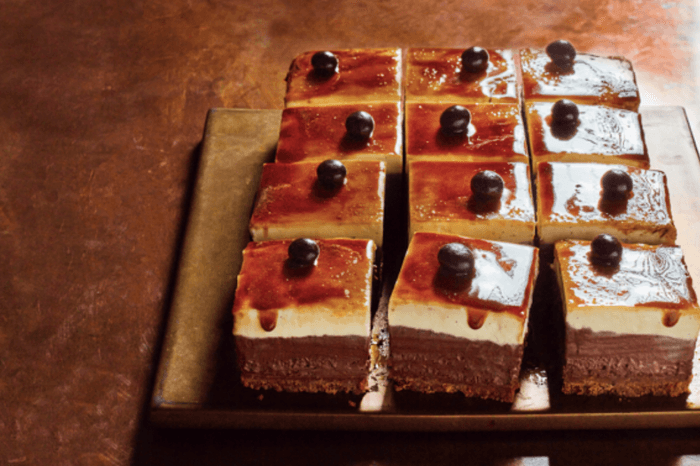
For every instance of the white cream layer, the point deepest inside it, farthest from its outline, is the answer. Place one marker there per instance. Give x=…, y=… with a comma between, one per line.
x=501, y=328
x=305, y=321
x=633, y=321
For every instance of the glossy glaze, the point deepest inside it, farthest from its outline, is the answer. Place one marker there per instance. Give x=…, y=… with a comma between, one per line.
x=268, y=285
x=496, y=132
x=606, y=81
x=502, y=280
x=313, y=132
x=650, y=276
x=436, y=74
x=572, y=194
x=603, y=134
x=363, y=75
x=290, y=194
x=432, y=198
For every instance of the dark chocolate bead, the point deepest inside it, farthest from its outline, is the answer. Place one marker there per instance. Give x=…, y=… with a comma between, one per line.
x=455, y=120
x=487, y=185
x=456, y=259
x=565, y=112
x=331, y=174
x=303, y=252
x=324, y=63
x=360, y=125
x=606, y=250
x=616, y=184
x=475, y=60
x=562, y=53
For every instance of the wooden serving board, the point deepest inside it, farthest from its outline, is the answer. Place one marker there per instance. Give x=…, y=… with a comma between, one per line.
x=197, y=384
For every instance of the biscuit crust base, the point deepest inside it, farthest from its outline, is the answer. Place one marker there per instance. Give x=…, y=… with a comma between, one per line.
x=329, y=364
x=600, y=363
x=430, y=362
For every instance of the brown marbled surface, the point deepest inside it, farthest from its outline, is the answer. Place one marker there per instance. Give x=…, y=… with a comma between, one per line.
x=103, y=106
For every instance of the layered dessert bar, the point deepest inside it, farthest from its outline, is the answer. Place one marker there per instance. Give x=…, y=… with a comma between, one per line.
x=302, y=315
x=345, y=76
x=559, y=72
x=302, y=199
x=582, y=200
x=481, y=200
x=632, y=318
x=458, y=315
x=458, y=75
x=475, y=132
x=596, y=134
x=343, y=132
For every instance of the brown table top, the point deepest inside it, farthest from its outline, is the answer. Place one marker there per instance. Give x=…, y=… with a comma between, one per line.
x=104, y=104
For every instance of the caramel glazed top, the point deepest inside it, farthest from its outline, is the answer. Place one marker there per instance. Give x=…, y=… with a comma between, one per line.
x=572, y=193
x=649, y=276
x=502, y=279
x=360, y=75
x=267, y=282
x=437, y=200
x=375, y=75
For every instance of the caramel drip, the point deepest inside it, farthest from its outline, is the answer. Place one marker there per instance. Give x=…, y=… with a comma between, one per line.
x=671, y=317
x=476, y=318
x=268, y=319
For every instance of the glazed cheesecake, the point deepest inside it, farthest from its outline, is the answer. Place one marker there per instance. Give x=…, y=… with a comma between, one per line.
x=580, y=201
x=302, y=316
x=583, y=78
x=293, y=202
x=436, y=75
x=600, y=135
x=492, y=133
x=458, y=319
x=343, y=132
x=482, y=200
x=632, y=318
x=345, y=76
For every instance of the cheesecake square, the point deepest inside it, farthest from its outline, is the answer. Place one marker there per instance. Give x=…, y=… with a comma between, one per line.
x=344, y=132
x=464, y=331
x=345, y=76
x=572, y=204
x=441, y=75
x=293, y=202
x=601, y=135
x=494, y=132
x=481, y=200
x=631, y=327
x=304, y=327
x=588, y=80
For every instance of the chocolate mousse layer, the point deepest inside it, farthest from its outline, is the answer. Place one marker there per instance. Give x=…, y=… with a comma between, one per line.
x=307, y=364
x=431, y=362
x=626, y=365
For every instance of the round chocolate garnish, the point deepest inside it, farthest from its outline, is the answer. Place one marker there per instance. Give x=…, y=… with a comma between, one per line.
x=303, y=252
x=360, y=125
x=324, y=63
x=606, y=250
x=331, y=174
x=487, y=185
x=475, y=60
x=456, y=259
x=455, y=120
x=562, y=53
x=616, y=184
x=565, y=113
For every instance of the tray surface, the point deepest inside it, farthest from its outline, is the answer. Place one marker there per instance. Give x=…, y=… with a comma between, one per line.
x=197, y=385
